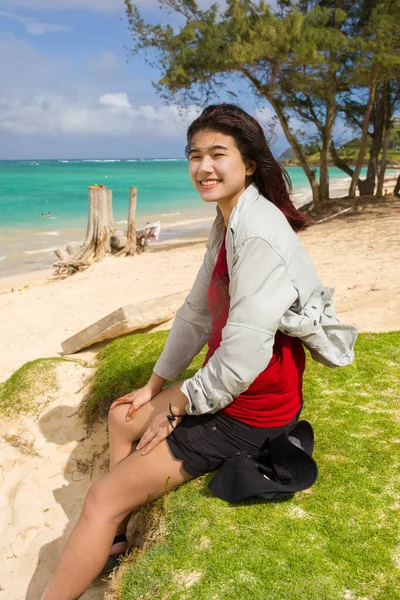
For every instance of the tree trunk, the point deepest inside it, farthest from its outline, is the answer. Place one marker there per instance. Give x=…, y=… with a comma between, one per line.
x=363, y=143
x=375, y=148
x=396, y=191
x=310, y=173
x=130, y=248
x=386, y=133
x=329, y=115
x=265, y=92
x=339, y=162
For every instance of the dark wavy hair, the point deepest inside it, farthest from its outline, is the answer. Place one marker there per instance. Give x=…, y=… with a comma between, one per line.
x=271, y=179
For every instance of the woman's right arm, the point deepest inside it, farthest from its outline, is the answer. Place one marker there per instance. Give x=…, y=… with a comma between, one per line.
x=189, y=333
x=191, y=328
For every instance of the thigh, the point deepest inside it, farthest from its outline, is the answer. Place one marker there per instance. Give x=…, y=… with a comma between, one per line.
x=135, y=481
x=135, y=428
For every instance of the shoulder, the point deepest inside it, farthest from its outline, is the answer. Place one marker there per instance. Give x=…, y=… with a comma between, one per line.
x=265, y=221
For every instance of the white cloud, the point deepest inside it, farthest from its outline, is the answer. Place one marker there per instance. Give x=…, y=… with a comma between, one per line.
x=115, y=102
x=53, y=5
x=31, y=25
x=112, y=115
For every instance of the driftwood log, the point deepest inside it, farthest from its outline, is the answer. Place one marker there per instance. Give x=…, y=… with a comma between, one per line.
x=127, y=319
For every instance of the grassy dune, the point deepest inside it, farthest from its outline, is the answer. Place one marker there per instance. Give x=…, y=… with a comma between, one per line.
x=338, y=540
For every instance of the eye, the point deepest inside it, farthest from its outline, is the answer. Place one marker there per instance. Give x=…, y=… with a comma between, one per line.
x=219, y=154
x=194, y=157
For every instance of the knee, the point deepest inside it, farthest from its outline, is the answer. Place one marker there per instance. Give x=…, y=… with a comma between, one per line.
x=100, y=504
x=119, y=427
x=117, y=418
x=95, y=498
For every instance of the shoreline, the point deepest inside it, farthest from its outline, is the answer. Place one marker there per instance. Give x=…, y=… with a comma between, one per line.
x=17, y=282
x=28, y=245
x=28, y=260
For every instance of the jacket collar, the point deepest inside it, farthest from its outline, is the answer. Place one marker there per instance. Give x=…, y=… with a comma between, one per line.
x=244, y=202
x=249, y=196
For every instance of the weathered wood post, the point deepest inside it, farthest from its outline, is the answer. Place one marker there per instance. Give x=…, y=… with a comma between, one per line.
x=130, y=248
x=99, y=230
x=100, y=225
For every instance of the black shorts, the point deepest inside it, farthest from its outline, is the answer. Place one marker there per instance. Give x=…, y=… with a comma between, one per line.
x=204, y=442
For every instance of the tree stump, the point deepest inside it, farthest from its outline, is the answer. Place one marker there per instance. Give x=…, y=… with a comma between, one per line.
x=130, y=248
x=99, y=230
x=100, y=226
x=103, y=237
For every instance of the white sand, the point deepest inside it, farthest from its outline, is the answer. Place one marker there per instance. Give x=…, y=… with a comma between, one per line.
x=41, y=495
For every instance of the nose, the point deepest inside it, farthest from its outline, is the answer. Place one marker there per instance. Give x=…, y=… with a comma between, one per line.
x=206, y=165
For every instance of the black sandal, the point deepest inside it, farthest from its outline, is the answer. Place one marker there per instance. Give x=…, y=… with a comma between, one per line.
x=114, y=559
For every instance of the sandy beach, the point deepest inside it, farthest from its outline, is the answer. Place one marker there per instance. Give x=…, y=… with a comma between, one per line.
x=357, y=253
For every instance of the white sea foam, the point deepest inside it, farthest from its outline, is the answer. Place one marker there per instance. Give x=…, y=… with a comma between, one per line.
x=102, y=160
x=49, y=233
x=165, y=159
x=169, y=214
x=42, y=251
x=121, y=222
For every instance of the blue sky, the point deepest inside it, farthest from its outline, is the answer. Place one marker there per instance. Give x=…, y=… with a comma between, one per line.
x=71, y=90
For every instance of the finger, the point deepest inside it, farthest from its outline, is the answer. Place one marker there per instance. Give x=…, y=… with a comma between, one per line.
x=119, y=402
x=145, y=439
x=152, y=444
x=127, y=399
x=131, y=411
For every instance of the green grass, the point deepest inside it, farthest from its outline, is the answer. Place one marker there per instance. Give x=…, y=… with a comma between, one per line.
x=124, y=365
x=30, y=388
x=338, y=540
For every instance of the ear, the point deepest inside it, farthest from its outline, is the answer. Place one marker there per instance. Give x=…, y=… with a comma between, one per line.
x=251, y=167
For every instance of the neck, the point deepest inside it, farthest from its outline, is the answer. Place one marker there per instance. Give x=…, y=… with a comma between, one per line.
x=227, y=205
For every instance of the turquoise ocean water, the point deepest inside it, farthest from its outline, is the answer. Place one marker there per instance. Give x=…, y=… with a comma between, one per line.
x=165, y=193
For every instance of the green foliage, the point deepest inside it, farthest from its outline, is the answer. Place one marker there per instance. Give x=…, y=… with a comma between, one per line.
x=349, y=151
x=31, y=387
x=306, y=59
x=337, y=540
x=125, y=365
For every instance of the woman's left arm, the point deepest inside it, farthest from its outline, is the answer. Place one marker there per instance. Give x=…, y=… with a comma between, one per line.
x=260, y=293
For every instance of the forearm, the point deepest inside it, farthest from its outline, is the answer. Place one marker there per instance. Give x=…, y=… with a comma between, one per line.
x=179, y=401
x=155, y=384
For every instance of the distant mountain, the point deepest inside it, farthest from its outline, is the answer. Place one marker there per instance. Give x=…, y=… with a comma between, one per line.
x=288, y=154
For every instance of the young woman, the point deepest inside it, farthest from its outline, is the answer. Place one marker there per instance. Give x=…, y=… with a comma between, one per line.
x=256, y=298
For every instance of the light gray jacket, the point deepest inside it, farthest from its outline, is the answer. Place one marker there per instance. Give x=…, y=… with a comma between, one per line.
x=273, y=285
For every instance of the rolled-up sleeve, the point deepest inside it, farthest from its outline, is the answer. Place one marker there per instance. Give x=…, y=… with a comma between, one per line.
x=191, y=328
x=260, y=293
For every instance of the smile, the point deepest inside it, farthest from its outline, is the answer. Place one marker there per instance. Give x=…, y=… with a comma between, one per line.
x=210, y=182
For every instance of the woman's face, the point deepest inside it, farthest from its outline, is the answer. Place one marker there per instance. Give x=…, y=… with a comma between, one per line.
x=216, y=167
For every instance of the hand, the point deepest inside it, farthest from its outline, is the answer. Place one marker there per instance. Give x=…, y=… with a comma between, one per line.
x=136, y=399
x=158, y=430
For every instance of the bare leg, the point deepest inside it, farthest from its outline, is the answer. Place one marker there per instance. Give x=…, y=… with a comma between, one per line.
x=130, y=484
x=123, y=435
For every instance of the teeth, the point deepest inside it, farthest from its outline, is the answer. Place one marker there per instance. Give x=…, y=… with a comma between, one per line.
x=210, y=182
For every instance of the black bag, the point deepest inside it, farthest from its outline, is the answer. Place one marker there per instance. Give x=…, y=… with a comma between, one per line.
x=280, y=470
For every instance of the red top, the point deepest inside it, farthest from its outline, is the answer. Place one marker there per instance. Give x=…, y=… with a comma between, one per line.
x=275, y=396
